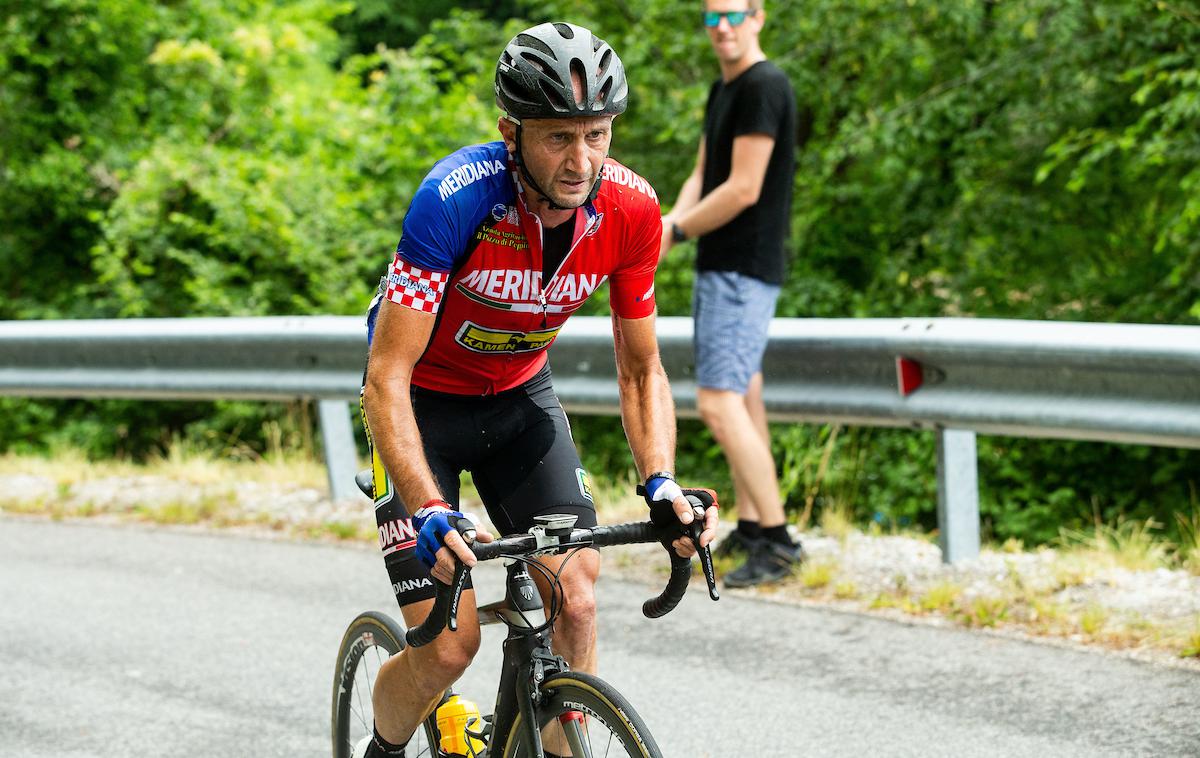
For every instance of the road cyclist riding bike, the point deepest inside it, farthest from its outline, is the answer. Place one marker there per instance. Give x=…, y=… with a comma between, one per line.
x=501, y=243
x=542, y=707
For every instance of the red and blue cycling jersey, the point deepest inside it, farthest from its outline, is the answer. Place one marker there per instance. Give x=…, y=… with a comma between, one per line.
x=471, y=252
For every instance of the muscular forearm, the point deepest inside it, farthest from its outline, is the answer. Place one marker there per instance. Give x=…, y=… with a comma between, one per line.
x=648, y=415
x=395, y=436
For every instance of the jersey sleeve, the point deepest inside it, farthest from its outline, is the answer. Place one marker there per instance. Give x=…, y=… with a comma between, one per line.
x=631, y=289
x=762, y=107
x=436, y=232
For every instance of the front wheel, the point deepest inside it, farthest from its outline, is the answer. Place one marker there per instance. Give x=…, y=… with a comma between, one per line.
x=369, y=641
x=584, y=717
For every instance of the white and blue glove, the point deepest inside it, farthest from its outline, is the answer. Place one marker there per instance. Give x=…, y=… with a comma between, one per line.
x=433, y=521
x=661, y=487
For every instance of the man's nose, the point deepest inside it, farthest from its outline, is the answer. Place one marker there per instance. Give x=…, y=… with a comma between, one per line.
x=724, y=25
x=577, y=156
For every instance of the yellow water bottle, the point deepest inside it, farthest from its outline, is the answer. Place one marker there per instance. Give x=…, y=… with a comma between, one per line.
x=453, y=718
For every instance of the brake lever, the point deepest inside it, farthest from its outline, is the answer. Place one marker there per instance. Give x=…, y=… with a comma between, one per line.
x=703, y=553
x=466, y=530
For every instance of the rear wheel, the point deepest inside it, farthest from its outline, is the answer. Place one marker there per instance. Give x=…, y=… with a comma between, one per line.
x=584, y=717
x=369, y=641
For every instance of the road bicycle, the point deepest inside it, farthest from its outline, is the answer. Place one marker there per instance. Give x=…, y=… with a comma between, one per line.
x=540, y=701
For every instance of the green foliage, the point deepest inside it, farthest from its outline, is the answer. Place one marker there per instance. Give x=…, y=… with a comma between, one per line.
x=1028, y=159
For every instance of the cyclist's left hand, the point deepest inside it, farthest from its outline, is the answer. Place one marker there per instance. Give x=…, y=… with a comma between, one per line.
x=665, y=489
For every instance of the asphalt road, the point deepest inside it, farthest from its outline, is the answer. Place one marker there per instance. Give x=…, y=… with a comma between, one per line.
x=128, y=641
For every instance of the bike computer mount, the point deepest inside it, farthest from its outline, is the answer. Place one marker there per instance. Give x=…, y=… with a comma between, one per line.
x=552, y=529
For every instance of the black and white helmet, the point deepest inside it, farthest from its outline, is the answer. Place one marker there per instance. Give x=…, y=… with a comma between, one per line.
x=533, y=75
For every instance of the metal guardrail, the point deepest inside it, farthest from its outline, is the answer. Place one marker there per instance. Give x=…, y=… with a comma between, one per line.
x=1109, y=382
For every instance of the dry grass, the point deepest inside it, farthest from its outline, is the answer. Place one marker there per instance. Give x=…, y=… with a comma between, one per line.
x=816, y=575
x=837, y=520
x=1127, y=544
x=180, y=462
x=940, y=598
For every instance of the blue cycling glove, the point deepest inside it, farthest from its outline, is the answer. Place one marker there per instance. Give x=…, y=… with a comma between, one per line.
x=660, y=487
x=433, y=521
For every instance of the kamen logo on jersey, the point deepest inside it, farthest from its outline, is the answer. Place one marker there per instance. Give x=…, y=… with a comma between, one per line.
x=481, y=340
x=467, y=174
x=625, y=177
x=501, y=287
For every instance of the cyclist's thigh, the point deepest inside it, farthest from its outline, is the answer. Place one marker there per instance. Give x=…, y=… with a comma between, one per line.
x=535, y=469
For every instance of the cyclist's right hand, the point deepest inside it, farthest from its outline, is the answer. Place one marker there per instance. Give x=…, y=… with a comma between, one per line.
x=439, y=542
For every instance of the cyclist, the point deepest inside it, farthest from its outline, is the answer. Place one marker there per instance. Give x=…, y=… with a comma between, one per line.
x=501, y=243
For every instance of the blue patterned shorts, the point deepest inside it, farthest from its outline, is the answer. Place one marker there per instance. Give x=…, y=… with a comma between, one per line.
x=731, y=312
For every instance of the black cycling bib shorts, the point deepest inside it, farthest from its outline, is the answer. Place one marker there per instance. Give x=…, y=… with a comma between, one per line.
x=517, y=446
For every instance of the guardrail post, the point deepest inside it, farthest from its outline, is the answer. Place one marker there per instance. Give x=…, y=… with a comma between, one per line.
x=958, y=495
x=337, y=439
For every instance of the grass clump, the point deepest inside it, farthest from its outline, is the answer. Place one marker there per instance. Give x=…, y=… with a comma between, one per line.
x=816, y=574
x=985, y=611
x=837, y=521
x=940, y=597
x=1191, y=642
x=1093, y=619
x=845, y=590
x=1130, y=545
x=1188, y=550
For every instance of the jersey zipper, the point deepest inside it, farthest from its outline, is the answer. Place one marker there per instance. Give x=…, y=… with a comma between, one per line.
x=548, y=286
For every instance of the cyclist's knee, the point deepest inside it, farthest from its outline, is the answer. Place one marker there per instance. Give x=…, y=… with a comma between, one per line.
x=579, y=589
x=444, y=660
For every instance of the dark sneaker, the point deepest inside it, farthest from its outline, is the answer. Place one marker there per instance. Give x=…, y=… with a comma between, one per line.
x=768, y=562
x=735, y=543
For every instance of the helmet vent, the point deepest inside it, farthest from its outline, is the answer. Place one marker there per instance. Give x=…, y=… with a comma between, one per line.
x=577, y=72
x=604, y=61
x=565, y=30
x=603, y=96
x=541, y=67
x=554, y=97
x=528, y=40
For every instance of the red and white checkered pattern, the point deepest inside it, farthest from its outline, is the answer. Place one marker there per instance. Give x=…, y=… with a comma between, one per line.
x=415, y=288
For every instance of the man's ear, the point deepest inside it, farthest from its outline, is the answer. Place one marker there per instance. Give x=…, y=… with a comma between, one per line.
x=508, y=130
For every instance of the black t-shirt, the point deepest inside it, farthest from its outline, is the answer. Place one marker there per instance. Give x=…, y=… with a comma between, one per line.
x=759, y=101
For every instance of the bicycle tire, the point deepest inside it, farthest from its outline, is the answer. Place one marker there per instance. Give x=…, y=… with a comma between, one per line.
x=575, y=692
x=369, y=641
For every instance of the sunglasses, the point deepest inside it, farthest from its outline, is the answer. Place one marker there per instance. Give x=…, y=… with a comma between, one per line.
x=712, y=19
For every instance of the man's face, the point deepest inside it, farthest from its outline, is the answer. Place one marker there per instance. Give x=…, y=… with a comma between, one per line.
x=731, y=43
x=564, y=155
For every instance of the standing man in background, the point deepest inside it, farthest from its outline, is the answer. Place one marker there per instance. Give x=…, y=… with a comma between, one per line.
x=737, y=201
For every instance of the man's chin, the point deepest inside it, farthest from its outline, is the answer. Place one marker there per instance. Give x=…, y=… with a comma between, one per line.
x=574, y=200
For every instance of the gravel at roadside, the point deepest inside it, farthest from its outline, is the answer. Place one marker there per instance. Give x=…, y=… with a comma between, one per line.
x=1152, y=615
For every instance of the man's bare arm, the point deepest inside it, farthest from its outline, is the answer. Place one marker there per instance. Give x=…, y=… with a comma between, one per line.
x=751, y=156
x=401, y=335
x=647, y=410
x=648, y=413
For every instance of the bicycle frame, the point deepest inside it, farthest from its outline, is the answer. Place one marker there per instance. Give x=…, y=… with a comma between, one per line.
x=527, y=659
